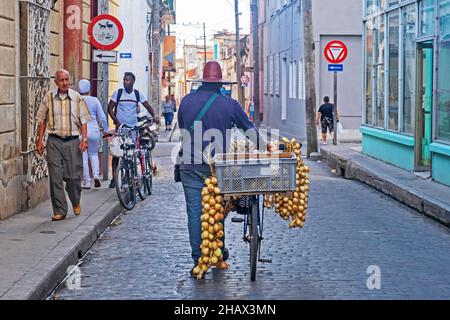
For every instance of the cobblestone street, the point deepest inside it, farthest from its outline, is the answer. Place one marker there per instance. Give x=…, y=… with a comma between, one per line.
x=145, y=254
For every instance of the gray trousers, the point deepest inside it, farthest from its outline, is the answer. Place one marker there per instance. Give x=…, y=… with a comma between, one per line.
x=65, y=164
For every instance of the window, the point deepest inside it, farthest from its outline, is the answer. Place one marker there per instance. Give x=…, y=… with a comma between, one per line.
x=271, y=75
x=369, y=70
x=379, y=49
x=373, y=6
x=276, y=74
x=409, y=68
x=392, y=3
x=426, y=9
x=293, y=80
x=393, y=70
x=443, y=96
x=266, y=75
x=301, y=80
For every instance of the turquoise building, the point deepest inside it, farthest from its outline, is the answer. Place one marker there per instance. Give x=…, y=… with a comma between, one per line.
x=406, y=101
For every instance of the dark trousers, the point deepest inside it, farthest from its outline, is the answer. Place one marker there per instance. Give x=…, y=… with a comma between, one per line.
x=65, y=164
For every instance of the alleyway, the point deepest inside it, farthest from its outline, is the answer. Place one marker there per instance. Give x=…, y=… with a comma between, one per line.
x=145, y=254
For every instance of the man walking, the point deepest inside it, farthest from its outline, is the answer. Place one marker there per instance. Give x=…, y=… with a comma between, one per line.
x=325, y=114
x=124, y=108
x=64, y=115
x=218, y=113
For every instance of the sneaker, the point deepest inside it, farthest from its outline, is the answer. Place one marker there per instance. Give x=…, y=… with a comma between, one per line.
x=97, y=183
x=324, y=143
x=86, y=186
x=112, y=184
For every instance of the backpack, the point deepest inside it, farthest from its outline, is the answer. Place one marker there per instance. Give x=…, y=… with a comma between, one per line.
x=119, y=95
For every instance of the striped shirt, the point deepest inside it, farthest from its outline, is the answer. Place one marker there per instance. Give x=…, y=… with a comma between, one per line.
x=64, y=114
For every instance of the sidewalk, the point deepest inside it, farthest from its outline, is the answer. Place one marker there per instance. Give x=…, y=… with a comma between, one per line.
x=167, y=136
x=424, y=195
x=35, y=252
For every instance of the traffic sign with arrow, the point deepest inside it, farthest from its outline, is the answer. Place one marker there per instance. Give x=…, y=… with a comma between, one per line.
x=104, y=56
x=335, y=67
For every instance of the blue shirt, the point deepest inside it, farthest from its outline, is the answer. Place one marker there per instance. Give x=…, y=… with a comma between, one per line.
x=223, y=114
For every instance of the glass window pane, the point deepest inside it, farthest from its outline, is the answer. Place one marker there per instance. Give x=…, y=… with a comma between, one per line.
x=409, y=76
x=443, y=104
x=373, y=6
x=444, y=20
x=426, y=17
x=379, y=49
x=369, y=66
x=393, y=69
x=392, y=2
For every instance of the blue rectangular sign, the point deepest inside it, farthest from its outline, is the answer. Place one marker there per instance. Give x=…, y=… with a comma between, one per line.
x=335, y=67
x=125, y=55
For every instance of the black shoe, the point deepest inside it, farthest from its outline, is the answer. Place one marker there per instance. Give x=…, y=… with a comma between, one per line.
x=225, y=254
x=112, y=184
x=97, y=183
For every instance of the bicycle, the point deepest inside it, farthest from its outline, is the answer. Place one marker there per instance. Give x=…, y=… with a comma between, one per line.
x=124, y=175
x=250, y=179
x=147, y=143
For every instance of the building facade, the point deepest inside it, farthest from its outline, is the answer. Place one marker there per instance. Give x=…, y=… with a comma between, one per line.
x=283, y=55
x=406, y=105
x=38, y=37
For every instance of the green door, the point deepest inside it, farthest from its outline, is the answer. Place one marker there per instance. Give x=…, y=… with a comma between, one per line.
x=425, y=104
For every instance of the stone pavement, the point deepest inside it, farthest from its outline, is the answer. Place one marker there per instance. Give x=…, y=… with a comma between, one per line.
x=351, y=227
x=35, y=252
x=422, y=194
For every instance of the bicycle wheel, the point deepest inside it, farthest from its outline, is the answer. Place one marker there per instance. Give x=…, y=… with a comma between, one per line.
x=148, y=179
x=139, y=172
x=254, y=238
x=125, y=185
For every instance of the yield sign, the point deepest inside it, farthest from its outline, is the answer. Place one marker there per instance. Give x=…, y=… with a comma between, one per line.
x=335, y=51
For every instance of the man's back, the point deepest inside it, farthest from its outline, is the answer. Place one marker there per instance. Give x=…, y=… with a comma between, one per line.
x=223, y=113
x=326, y=110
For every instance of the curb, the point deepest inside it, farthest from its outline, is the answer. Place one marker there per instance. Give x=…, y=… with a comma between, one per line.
x=53, y=269
x=353, y=170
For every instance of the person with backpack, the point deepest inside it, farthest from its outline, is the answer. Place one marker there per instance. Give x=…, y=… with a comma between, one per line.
x=168, y=110
x=123, y=108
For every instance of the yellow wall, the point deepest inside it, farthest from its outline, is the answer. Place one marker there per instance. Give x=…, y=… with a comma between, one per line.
x=86, y=44
x=56, y=41
x=114, y=77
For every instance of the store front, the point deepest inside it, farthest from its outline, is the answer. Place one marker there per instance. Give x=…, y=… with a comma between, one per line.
x=406, y=107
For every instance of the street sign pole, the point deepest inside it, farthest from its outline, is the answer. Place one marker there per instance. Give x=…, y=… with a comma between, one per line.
x=105, y=110
x=335, y=52
x=335, y=108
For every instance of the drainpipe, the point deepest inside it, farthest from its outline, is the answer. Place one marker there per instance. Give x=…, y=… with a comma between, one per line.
x=73, y=39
